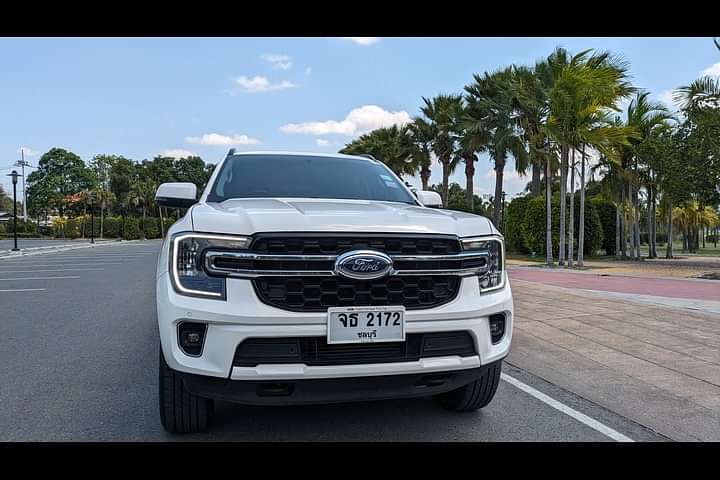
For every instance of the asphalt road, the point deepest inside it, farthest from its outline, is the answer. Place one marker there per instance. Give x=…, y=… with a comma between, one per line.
x=78, y=345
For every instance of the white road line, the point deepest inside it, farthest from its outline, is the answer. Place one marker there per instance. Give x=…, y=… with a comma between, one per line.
x=37, y=278
x=23, y=290
x=59, y=264
x=580, y=417
x=57, y=270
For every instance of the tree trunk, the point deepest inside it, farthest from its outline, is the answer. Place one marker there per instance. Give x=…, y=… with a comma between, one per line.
x=618, y=226
x=446, y=179
x=535, y=185
x=82, y=230
x=631, y=239
x=571, y=223
x=469, y=180
x=142, y=229
x=548, y=212
x=563, y=191
x=425, y=175
x=581, y=227
x=669, y=249
x=497, y=201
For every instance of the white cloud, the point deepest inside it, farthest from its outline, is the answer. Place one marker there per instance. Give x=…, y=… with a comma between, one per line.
x=359, y=120
x=177, y=153
x=259, y=83
x=321, y=142
x=712, y=70
x=216, y=139
x=283, y=62
x=308, y=70
x=666, y=97
x=27, y=151
x=362, y=40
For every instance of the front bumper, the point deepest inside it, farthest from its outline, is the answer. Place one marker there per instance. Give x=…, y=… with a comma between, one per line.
x=244, y=316
x=334, y=390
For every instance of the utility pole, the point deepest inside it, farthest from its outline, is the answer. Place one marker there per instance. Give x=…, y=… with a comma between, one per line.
x=22, y=163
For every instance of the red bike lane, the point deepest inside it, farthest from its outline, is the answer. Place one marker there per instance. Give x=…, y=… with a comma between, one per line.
x=661, y=287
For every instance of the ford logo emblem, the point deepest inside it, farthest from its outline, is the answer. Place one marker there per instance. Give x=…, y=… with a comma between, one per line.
x=363, y=264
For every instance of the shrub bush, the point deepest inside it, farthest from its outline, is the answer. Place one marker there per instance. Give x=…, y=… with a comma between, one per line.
x=131, y=229
x=111, y=227
x=23, y=226
x=606, y=214
x=534, y=226
x=515, y=225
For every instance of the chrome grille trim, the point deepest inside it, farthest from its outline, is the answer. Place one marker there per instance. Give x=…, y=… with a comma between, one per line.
x=211, y=268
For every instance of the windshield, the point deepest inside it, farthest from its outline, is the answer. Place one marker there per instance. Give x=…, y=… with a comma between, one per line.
x=252, y=176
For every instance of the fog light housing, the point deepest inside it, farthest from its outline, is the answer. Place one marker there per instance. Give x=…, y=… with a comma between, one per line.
x=191, y=338
x=497, y=327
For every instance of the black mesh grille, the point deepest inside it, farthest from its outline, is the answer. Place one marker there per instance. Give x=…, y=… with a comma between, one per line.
x=321, y=244
x=316, y=294
x=316, y=350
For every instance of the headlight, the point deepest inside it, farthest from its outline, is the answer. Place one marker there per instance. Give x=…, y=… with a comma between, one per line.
x=186, y=263
x=494, y=278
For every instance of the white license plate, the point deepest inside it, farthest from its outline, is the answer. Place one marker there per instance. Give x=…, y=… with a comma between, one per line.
x=366, y=324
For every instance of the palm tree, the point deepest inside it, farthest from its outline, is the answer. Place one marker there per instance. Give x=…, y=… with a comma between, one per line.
x=106, y=198
x=491, y=112
x=532, y=110
x=394, y=146
x=584, y=88
x=643, y=115
x=142, y=194
x=441, y=113
x=422, y=135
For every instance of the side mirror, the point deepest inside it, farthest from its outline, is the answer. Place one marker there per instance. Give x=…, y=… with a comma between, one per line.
x=429, y=198
x=176, y=195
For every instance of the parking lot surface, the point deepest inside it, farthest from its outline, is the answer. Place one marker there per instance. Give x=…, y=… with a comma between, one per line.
x=79, y=348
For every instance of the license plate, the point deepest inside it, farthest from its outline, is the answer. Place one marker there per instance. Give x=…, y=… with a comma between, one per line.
x=366, y=324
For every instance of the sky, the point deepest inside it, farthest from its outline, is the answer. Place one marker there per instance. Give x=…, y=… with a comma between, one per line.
x=142, y=97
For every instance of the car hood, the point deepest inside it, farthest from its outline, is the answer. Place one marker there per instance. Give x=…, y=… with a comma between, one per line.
x=260, y=215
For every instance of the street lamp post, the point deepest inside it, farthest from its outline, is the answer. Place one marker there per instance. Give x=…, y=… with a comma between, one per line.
x=14, y=176
x=92, y=220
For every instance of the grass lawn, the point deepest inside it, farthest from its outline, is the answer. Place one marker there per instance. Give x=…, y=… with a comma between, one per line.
x=709, y=251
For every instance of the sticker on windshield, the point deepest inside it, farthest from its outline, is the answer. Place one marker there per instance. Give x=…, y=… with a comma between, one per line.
x=387, y=178
x=391, y=184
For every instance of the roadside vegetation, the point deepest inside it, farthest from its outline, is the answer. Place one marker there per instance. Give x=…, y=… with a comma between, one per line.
x=609, y=169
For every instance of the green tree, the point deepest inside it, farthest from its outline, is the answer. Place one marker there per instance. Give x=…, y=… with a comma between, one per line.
x=394, y=146
x=492, y=114
x=60, y=173
x=441, y=113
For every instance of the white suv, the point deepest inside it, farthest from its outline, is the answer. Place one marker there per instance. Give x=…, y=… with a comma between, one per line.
x=307, y=278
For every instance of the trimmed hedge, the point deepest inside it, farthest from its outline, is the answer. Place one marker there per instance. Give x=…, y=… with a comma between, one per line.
x=525, y=229
x=515, y=231
x=113, y=227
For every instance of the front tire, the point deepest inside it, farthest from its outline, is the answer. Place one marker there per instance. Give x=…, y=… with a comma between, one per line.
x=475, y=395
x=180, y=410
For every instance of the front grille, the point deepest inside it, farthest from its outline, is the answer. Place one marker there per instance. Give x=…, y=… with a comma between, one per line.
x=322, y=244
x=316, y=350
x=316, y=294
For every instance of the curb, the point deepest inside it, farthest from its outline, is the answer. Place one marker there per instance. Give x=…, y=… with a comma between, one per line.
x=64, y=248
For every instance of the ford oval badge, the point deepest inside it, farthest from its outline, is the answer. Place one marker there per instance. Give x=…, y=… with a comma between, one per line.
x=363, y=264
